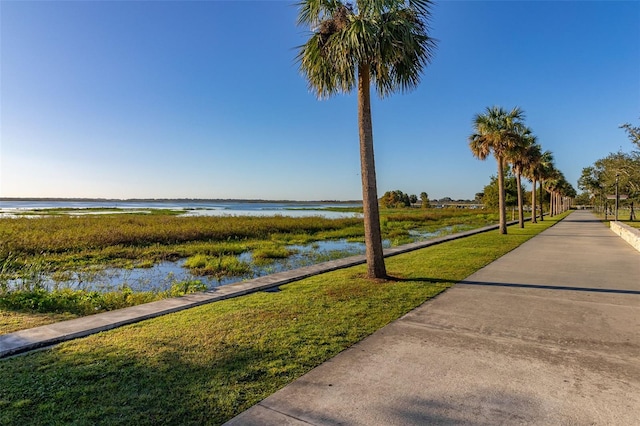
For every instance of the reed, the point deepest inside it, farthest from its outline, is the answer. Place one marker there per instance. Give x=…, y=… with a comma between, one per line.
x=66, y=233
x=217, y=266
x=271, y=252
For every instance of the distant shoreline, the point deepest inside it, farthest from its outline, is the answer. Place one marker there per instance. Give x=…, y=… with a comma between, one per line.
x=180, y=200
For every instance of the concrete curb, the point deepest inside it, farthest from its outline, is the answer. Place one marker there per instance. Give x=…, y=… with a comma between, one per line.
x=627, y=233
x=47, y=335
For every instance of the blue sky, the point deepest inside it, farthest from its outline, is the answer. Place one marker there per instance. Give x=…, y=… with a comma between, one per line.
x=203, y=99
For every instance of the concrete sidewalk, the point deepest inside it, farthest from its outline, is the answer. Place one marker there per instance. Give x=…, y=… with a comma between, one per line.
x=548, y=334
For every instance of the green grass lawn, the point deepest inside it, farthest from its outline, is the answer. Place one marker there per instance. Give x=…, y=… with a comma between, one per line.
x=634, y=224
x=207, y=364
x=12, y=321
x=621, y=218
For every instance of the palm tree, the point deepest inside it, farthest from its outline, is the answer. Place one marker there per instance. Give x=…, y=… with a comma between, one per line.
x=553, y=184
x=497, y=131
x=561, y=191
x=379, y=42
x=539, y=172
x=530, y=172
x=520, y=157
x=545, y=170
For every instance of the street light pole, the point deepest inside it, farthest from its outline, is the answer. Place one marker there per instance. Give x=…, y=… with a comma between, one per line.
x=617, y=196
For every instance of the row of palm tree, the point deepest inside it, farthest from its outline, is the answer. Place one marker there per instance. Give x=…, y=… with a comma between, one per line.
x=504, y=134
x=386, y=43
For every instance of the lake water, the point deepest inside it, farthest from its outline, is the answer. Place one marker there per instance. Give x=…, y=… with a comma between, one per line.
x=190, y=207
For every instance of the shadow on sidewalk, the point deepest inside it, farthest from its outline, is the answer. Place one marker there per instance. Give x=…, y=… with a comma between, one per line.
x=551, y=287
x=583, y=220
x=515, y=285
x=420, y=280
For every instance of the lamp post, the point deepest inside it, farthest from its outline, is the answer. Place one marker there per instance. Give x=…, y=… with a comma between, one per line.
x=617, y=196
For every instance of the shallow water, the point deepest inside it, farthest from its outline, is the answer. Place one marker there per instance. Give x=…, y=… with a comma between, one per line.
x=162, y=276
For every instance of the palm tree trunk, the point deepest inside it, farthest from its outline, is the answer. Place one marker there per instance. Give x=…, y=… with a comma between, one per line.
x=534, y=207
x=559, y=204
x=372, y=233
x=520, y=208
x=501, y=196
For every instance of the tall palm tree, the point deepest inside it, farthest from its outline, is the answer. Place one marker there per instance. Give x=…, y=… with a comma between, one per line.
x=562, y=191
x=530, y=172
x=520, y=157
x=379, y=42
x=545, y=170
x=497, y=131
x=552, y=183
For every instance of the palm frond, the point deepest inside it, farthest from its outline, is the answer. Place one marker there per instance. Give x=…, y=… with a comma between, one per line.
x=390, y=37
x=312, y=12
x=498, y=131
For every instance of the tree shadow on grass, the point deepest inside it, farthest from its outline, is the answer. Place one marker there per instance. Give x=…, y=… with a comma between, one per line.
x=106, y=385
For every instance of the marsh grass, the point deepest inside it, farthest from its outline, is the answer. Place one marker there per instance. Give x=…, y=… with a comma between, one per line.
x=61, y=303
x=63, y=243
x=42, y=254
x=271, y=251
x=69, y=241
x=207, y=364
x=217, y=266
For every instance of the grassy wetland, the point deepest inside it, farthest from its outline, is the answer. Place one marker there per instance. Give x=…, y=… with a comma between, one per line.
x=207, y=364
x=39, y=256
